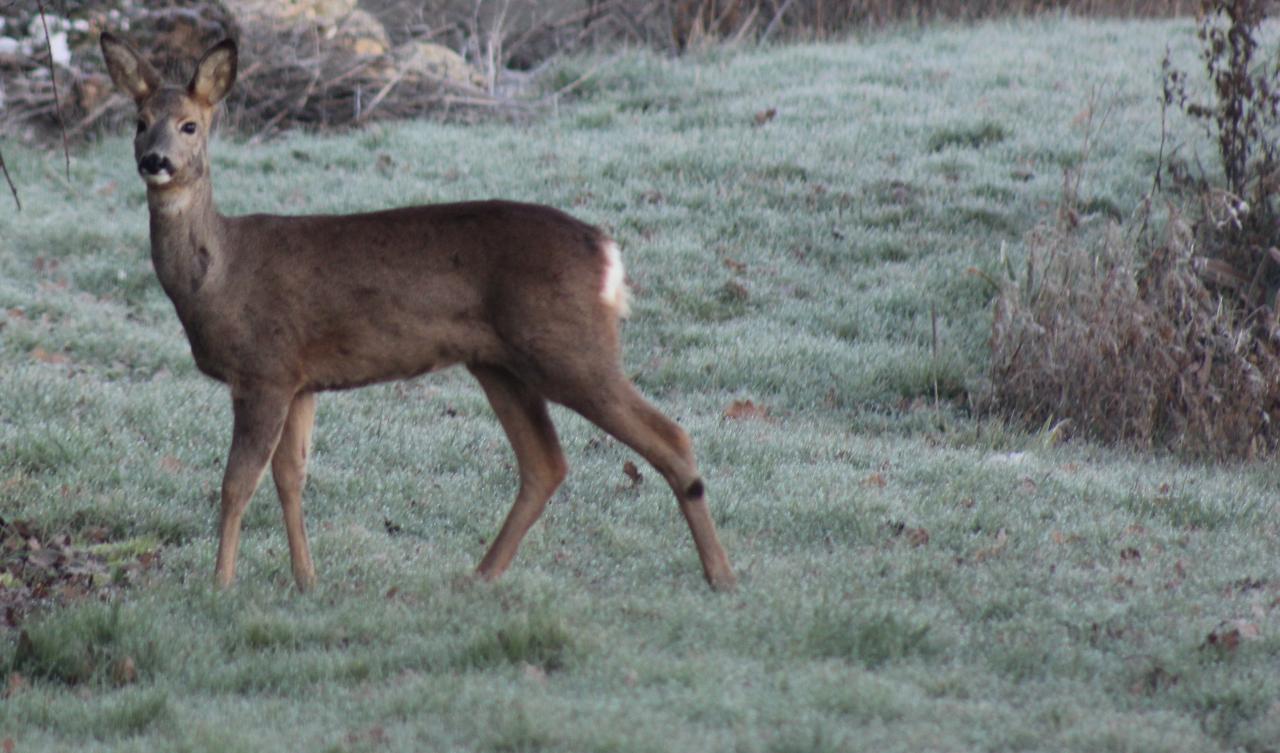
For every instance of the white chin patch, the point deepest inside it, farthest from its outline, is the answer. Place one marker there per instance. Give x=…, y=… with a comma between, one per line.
x=614, y=290
x=157, y=179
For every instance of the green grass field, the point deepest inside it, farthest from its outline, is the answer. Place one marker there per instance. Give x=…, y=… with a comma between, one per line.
x=912, y=578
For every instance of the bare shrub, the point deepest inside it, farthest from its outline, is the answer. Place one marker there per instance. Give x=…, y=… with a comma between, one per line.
x=1169, y=341
x=1237, y=221
x=1125, y=342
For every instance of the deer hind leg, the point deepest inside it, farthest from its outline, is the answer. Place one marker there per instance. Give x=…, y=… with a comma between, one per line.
x=523, y=415
x=630, y=418
x=289, y=469
x=259, y=420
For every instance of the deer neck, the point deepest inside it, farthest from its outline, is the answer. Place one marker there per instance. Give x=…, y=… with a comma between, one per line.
x=186, y=239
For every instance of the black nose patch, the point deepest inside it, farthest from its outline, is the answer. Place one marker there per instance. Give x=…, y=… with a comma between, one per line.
x=154, y=164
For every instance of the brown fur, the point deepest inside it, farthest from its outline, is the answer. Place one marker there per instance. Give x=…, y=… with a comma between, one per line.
x=280, y=308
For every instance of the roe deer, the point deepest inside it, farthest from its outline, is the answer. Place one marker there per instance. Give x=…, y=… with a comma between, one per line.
x=280, y=308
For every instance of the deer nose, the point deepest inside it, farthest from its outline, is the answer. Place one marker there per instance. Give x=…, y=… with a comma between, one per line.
x=153, y=164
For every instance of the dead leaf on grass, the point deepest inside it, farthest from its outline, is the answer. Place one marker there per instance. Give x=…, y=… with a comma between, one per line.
x=986, y=553
x=741, y=410
x=1227, y=636
x=734, y=291
x=764, y=116
x=124, y=671
x=15, y=685
x=44, y=356
x=876, y=480
x=633, y=473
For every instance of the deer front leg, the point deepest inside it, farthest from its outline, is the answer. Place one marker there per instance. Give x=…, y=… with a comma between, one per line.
x=259, y=420
x=289, y=468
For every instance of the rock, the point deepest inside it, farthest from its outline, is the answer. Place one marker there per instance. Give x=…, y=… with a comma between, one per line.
x=436, y=61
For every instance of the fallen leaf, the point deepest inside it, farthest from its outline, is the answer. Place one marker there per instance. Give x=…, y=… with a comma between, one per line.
x=875, y=479
x=633, y=473
x=741, y=410
x=124, y=671
x=764, y=116
x=918, y=537
x=986, y=553
x=734, y=291
x=44, y=356
x=1225, y=641
x=16, y=684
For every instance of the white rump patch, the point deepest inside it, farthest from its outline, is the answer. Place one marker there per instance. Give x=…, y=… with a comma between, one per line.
x=614, y=291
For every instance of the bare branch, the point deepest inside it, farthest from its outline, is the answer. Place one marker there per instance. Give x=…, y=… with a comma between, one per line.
x=12, y=188
x=53, y=80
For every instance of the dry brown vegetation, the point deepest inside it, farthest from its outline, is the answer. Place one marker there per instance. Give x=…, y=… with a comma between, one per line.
x=1167, y=340
x=1108, y=338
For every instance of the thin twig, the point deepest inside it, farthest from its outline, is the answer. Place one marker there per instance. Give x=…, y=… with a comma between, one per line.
x=88, y=120
x=12, y=188
x=53, y=80
x=777, y=19
x=377, y=98
x=580, y=80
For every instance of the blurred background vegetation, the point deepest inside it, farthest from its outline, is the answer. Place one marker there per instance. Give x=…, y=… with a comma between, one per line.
x=319, y=64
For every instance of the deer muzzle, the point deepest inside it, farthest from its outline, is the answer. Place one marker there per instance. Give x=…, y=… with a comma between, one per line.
x=155, y=169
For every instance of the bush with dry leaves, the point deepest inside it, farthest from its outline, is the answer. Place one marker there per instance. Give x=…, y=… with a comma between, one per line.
x=1118, y=341
x=1166, y=339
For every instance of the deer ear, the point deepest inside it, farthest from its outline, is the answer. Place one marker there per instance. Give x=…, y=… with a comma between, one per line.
x=215, y=73
x=129, y=70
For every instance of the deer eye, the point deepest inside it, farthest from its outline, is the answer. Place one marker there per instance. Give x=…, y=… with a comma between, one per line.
x=142, y=126
x=188, y=128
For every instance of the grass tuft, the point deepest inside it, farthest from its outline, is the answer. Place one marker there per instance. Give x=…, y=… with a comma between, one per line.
x=870, y=641
x=86, y=644
x=975, y=136
x=537, y=638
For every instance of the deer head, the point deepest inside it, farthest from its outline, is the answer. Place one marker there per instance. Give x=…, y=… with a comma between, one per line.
x=171, y=145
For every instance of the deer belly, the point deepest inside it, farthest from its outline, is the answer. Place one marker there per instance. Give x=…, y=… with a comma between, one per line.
x=359, y=358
